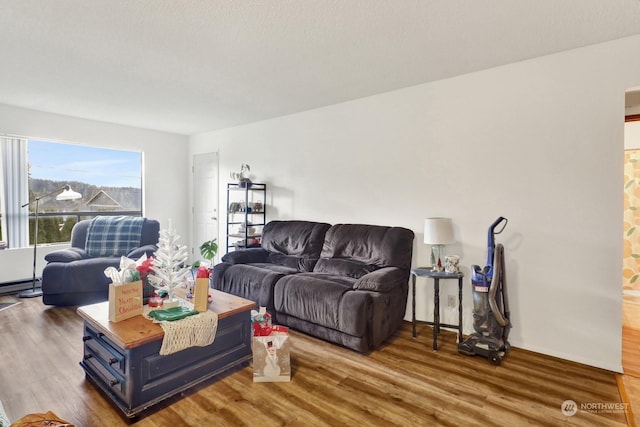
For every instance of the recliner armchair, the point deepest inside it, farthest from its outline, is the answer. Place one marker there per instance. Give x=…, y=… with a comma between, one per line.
x=75, y=276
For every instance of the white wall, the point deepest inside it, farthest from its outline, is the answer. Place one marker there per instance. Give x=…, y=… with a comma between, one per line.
x=632, y=135
x=165, y=170
x=539, y=142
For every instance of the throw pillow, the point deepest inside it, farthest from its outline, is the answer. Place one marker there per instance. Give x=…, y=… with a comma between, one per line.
x=113, y=236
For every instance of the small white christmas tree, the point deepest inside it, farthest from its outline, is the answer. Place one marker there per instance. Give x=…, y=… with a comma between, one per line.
x=169, y=262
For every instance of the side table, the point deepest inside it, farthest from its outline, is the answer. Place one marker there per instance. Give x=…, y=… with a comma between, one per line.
x=436, y=276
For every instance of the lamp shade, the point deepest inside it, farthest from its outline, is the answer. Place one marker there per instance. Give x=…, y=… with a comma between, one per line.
x=438, y=231
x=68, y=194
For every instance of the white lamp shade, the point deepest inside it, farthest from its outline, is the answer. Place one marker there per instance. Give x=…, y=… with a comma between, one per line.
x=68, y=194
x=438, y=231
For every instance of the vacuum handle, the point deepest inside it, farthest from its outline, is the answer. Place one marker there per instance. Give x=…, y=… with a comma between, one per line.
x=490, y=239
x=495, y=283
x=496, y=223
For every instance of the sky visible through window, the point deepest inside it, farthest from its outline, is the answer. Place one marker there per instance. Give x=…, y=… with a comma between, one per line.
x=92, y=165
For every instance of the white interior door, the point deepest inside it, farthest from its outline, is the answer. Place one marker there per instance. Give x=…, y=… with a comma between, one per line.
x=205, y=201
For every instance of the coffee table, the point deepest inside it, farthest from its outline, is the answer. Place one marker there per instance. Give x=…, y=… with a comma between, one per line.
x=122, y=359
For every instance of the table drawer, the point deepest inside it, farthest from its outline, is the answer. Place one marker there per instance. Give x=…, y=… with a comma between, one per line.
x=109, y=377
x=110, y=356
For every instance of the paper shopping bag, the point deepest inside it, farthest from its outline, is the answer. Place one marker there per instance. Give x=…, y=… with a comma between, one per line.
x=272, y=356
x=125, y=300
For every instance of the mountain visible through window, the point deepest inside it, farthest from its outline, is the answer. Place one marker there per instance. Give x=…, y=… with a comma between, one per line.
x=109, y=180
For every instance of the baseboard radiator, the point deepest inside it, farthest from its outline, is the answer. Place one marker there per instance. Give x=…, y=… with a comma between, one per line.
x=17, y=286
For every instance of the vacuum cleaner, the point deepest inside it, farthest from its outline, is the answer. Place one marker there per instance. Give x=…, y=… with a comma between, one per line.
x=490, y=307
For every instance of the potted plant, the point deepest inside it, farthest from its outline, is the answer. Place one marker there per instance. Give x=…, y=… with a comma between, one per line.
x=208, y=250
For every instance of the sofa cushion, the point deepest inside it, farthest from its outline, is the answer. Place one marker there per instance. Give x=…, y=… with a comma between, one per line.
x=113, y=236
x=370, y=244
x=275, y=267
x=298, y=238
x=290, y=261
x=297, y=263
x=325, y=300
x=343, y=267
x=246, y=281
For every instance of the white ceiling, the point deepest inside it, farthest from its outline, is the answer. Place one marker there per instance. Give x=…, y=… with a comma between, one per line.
x=189, y=66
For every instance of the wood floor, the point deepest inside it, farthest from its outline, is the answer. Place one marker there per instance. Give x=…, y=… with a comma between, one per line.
x=631, y=335
x=404, y=383
x=630, y=381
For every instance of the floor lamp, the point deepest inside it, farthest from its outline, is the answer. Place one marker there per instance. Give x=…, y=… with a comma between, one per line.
x=67, y=194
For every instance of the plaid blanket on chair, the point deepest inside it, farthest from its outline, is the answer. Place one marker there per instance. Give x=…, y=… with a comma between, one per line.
x=113, y=235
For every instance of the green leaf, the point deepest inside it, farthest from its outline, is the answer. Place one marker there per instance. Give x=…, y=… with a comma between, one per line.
x=633, y=160
x=635, y=256
x=633, y=279
x=630, y=231
x=209, y=249
x=629, y=183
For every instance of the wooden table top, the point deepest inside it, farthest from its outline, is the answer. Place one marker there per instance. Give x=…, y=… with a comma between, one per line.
x=138, y=330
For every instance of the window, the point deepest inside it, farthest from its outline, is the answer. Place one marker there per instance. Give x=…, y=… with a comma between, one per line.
x=36, y=171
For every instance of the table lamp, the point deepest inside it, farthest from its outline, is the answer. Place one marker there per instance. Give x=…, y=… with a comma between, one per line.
x=437, y=233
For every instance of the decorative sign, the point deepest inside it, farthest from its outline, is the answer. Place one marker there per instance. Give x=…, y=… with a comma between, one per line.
x=125, y=300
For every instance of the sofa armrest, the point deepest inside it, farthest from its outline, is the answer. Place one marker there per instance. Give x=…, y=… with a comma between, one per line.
x=66, y=255
x=246, y=256
x=382, y=280
x=138, y=252
x=217, y=274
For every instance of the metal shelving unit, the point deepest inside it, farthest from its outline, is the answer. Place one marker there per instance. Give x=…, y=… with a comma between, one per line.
x=246, y=214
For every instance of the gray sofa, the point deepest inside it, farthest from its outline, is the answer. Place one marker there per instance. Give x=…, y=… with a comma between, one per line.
x=355, y=294
x=75, y=276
